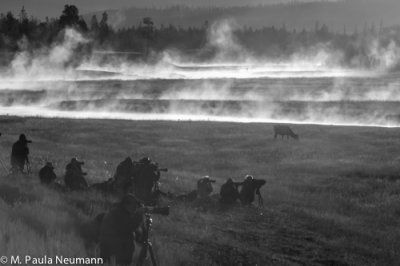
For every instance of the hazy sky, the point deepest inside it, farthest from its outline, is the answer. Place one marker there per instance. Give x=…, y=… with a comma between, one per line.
x=52, y=8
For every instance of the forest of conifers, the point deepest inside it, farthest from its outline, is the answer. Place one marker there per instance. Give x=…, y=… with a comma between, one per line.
x=22, y=32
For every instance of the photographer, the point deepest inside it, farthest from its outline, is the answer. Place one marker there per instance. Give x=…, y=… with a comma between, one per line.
x=118, y=227
x=19, y=154
x=229, y=192
x=47, y=175
x=250, y=188
x=146, y=177
x=74, y=176
x=204, y=187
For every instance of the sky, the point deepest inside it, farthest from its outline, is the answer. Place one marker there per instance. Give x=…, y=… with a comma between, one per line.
x=53, y=8
x=360, y=13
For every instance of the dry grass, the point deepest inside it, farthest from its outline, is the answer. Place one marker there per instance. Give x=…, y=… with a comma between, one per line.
x=332, y=198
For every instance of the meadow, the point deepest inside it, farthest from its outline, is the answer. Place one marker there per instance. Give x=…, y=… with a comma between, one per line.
x=331, y=198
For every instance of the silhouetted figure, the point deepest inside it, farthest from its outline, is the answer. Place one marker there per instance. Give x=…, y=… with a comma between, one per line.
x=250, y=187
x=204, y=187
x=124, y=176
x=74, y=176
x=229, y=192
x=19, y=153
x=146, y=177
x=117, y=230
x=47, y=175
x=284, y=130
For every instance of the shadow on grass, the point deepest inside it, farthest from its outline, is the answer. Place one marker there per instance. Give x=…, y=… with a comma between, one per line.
x=12, y=195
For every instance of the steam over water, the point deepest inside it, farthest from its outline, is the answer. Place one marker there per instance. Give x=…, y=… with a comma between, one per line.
x=302, y=93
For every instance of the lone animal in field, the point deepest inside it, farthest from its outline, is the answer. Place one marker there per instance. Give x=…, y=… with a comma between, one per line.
x=284, y=130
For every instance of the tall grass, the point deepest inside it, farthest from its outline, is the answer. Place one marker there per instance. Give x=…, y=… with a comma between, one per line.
x=332, y=198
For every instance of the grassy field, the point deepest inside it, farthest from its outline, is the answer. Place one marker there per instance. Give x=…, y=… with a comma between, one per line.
x=331, y=198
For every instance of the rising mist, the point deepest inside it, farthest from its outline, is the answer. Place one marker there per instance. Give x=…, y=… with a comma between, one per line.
x=311, y=86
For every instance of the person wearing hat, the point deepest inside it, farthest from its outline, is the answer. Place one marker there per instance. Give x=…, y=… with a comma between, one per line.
x=74, y=176
x=19, y=153
x=204, y=187
x=47, y=175
x=250, y=187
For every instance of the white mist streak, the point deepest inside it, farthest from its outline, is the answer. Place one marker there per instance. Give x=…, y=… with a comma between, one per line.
x=42, y=112
x=310, y=87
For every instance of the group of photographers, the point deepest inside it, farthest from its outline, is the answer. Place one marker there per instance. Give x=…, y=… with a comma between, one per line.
x=140, y=177
x=137, y=184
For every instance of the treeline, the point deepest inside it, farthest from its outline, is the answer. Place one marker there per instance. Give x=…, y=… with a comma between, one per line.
x=19, y=32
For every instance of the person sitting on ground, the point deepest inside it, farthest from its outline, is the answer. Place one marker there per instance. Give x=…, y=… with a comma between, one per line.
x=229, y=192
x=19, y=153
x=74, y=176
x=47, y=175
x=250, y=187
x=204, y=187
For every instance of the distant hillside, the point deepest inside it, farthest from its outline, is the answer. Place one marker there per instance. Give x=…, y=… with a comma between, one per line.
x=336, y=15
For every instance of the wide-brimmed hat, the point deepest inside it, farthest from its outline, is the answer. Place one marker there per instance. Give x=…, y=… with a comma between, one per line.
x=248, y=177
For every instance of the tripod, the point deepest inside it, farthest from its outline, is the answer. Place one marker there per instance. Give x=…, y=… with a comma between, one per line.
x=147, y=246
x=260, y=199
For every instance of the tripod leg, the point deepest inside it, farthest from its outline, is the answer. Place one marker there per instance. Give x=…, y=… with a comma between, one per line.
x=153, y=258
x=142, y=255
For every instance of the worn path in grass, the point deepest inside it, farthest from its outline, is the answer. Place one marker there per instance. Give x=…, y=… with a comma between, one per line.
x=332, y=198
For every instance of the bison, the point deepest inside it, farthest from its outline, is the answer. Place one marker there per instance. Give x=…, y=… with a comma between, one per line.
x=284, y=130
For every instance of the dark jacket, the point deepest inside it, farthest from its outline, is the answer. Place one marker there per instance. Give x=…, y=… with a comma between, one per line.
x=117, y=235
x=19, y=154
x=229, y=192
x=74, y=177
x=47, y=175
